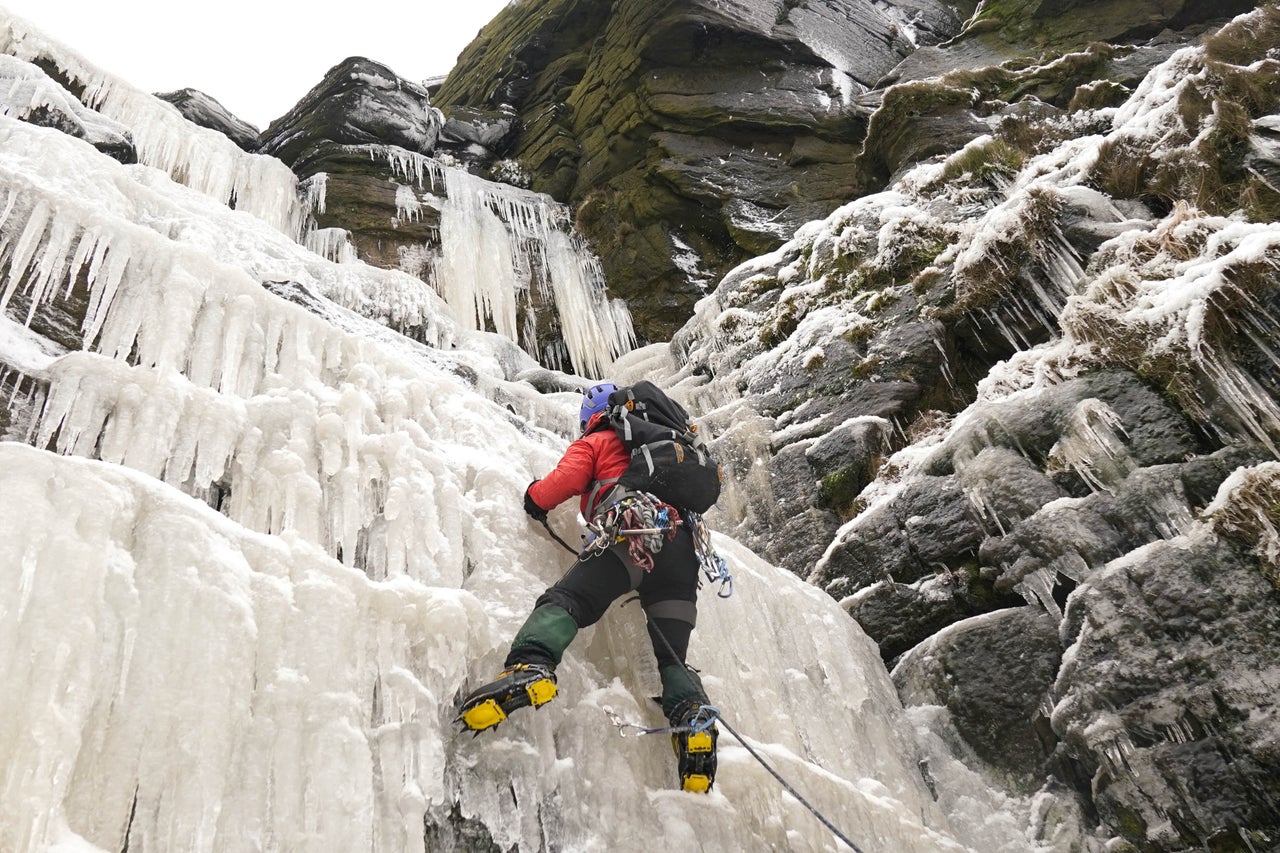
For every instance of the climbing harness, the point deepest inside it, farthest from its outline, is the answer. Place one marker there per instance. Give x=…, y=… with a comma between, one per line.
x=608, y=529
x=640, y=520
x=713, y=566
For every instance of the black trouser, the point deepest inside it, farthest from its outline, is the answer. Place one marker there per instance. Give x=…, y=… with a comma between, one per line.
x=668, y=593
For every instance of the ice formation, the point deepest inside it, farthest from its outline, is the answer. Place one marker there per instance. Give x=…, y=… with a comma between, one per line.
x=276, y=540
x=486, y=267
x=200, y=158
x=179, y=680
x=499, y=241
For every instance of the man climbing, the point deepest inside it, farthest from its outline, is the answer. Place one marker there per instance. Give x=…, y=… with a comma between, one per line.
x=665, y=577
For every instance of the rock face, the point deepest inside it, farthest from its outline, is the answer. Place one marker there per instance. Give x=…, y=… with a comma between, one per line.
x=1017, y=411
x=990, y=673
x=688, y=136
x=1167, y=702
x=360, y=109
x=201, y=109
x=358, y=102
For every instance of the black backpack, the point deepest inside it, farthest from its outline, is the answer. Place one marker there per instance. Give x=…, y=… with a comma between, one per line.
x=669, y=459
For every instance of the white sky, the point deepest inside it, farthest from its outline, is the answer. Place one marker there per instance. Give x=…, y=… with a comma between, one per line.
x=257, y=57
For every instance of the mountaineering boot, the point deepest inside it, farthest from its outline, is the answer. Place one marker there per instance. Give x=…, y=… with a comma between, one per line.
x=518, y=686
x=694, y=742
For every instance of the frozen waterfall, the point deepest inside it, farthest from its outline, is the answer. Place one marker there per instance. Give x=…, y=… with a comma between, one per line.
x=271, y=541
x=497, y=241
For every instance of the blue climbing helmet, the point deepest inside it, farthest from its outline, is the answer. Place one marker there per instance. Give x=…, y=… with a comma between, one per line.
x=596, y=399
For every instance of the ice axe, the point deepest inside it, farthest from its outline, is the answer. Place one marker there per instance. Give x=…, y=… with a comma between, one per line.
x=553, y=535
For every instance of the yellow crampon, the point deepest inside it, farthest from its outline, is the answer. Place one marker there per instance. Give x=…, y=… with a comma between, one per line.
x=518, y=687
x=699, y=748
x=694, y=742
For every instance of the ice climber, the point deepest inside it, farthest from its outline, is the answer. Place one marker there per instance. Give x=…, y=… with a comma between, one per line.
x=666, y=580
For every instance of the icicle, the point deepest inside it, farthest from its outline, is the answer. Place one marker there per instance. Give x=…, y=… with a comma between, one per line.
x=333, y=244
x=477, y=272
x=203, y=159
x=595, y=330
x=1092, y=445
x=423, y=171
x=408, y=206
x=314, y=191
x=1037, y=588
x=496, y=240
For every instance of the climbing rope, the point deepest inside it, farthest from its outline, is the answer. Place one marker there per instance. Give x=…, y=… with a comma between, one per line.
x=715, y=716
x=792, y=791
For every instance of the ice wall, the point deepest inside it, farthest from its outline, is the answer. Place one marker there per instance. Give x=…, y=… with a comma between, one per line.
x=504, y=251
x=200, y=158
x=176, y=681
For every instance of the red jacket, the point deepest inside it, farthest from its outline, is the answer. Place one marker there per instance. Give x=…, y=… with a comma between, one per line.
x=598, y=455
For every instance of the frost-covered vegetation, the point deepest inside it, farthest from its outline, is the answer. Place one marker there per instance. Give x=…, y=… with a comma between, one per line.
x=1020, y=377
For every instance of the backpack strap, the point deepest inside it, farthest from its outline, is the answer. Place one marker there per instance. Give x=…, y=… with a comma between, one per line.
x=595, y=490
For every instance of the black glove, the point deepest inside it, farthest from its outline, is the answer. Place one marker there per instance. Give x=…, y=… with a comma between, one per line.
x=536, y=512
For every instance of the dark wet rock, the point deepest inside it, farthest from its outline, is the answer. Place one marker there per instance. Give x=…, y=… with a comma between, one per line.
x=359, y=102
x=917, y=121
x=1155, y=431
x=450, y=830
x=928, y=525
x=477, y=134
x=1064, y=25
x=900, y=616
x=61, y=321
x=1167, y=700
x=995, y=504
x=703, y=130
x=24, y=398
x=199, y=108
x=993, y=674
x=1090, y=218
x=1005, y=487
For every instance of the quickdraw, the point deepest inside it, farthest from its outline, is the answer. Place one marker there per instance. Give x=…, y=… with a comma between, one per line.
x=707, y=716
